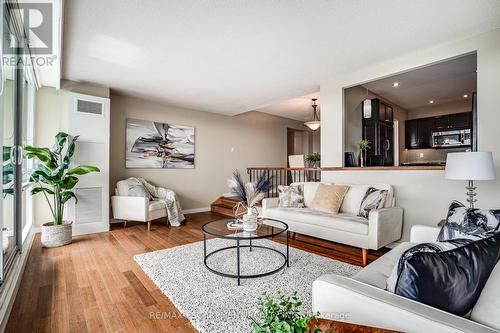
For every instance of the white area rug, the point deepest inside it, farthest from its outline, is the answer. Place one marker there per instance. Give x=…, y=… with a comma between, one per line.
x=217, y=304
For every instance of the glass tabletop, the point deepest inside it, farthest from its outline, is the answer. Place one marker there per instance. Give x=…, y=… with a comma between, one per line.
x=266, y=228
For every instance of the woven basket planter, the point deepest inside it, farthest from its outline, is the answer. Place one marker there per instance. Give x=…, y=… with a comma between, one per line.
x=57, y=235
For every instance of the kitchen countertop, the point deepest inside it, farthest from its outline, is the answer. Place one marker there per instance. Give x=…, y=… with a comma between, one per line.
x=430, y=163
x=386, y=168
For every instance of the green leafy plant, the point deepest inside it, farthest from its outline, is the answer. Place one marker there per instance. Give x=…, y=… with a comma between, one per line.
x=282, y=315
x=54, y=176
x=313, y=159
x=364, y=144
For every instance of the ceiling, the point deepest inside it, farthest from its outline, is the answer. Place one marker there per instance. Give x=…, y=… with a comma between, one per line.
x=298, y=108
x=442, y=83
x=234, y=56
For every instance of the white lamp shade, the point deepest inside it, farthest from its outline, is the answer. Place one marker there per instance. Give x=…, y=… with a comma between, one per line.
x=470, y=166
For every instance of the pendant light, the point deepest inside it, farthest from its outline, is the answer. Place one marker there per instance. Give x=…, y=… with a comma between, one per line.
x=367, y=107
x=315, y=123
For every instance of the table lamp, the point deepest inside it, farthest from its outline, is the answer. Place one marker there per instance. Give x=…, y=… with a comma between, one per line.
x=470, y=166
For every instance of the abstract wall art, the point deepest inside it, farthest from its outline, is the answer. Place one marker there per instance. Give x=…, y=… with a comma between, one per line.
x=157, y=145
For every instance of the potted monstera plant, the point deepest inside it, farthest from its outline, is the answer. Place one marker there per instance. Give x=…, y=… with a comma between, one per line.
x=55, y=178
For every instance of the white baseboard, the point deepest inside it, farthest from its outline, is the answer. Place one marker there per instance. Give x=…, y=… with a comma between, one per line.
x=13, y=280
x=196, y=210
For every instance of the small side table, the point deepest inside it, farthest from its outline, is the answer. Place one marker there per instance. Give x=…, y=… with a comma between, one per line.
x=331, y=326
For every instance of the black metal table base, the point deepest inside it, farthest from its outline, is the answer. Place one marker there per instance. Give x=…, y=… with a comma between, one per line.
x=238, y=248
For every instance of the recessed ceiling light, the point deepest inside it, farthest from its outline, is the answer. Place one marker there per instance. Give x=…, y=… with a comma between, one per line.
x=465, y=96
x=431, y=101
x=395, y=84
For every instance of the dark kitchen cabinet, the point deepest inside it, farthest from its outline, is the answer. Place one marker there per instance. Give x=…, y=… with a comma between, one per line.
x=411, y=134
x=379, y=131
x=425, y=132
x=418, y=133
x=383, y=111
x=461, y=120
x=456, y=121
x=441, y=123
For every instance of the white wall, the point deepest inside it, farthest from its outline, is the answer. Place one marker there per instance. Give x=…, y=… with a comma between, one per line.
x=424, y=195
x=51, y=117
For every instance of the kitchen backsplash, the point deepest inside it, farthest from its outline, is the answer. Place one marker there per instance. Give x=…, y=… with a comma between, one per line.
x=429, y=155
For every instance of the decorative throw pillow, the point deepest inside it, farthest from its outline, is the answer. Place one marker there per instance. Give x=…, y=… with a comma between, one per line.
x=435, y=247
x=462, y=222
x=328, y=198
x=450, y=280
x=373, y=199
x=291, y=196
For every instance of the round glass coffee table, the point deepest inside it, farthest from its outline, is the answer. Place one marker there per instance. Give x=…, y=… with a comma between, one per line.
x=267, y=228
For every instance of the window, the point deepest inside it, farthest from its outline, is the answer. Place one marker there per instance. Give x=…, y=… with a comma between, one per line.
x=17, y=102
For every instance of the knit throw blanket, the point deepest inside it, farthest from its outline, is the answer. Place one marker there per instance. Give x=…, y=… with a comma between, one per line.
x=141, y=188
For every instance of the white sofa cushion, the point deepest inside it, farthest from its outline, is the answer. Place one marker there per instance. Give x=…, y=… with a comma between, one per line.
x=344, y=222
x=487, y=308
x=377, y=273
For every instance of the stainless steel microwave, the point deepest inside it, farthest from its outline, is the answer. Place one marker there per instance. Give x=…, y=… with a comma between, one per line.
x=457, y=138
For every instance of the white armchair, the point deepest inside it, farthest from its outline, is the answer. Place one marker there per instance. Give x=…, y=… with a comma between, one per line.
x=135, y=208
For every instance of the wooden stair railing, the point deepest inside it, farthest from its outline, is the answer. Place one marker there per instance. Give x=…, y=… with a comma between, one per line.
x=284, y=176
x=278, y=176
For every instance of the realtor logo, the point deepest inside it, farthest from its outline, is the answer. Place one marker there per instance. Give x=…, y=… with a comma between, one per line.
x=36, y=18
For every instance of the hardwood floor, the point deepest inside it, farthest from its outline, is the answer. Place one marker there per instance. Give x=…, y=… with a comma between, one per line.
x=94, y=285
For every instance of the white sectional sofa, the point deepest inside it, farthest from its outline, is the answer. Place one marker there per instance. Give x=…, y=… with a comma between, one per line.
x=382, y=227
x=362, y=299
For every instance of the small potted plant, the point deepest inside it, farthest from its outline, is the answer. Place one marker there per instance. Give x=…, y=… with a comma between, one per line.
x=55, y=178
x=363, y=146
x=313, y=160
x=282, y=315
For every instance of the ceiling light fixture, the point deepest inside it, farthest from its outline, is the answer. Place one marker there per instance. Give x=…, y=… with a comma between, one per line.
x=367, y=107
x=315, y=123
x=431, y=101
x=465, y=96
x=395, y=84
